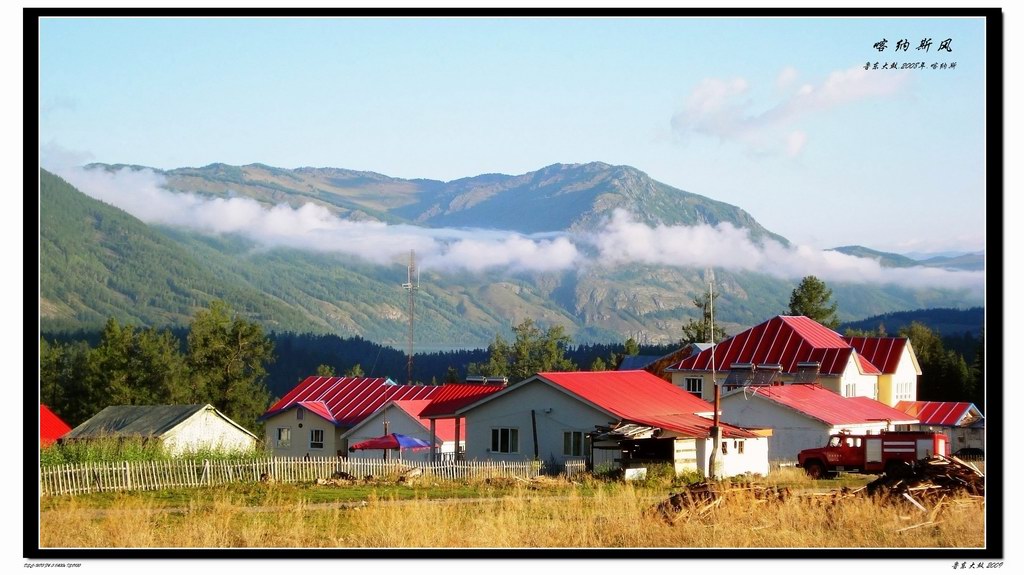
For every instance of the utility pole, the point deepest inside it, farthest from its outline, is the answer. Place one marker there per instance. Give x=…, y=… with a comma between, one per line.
x=716, y=430
x=411, y=288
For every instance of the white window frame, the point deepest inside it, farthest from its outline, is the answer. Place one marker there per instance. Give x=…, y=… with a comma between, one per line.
x=575, y=443
x=511, y=433
x=688, y=385
x=286, y=436
x=312, y=438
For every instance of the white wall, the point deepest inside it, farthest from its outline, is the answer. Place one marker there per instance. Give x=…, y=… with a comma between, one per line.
x=905, y=373
x=792, y=431
x=865, y=385
x=300, y=445
x=754, y=458
x=512, y=410
x=398, y=422
x=207, y=430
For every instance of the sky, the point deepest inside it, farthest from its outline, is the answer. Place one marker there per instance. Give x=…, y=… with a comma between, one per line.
x=722, y=168
x=777, y=116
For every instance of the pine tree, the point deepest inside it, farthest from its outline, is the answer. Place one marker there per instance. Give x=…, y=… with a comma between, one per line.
x=811, y=299
x=700, y=330
x=226, y=359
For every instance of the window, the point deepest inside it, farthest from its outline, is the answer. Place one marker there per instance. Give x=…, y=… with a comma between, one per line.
x=298, y=412
x=850, y=389
x=725, y=447
x=739, y=446
x=316, y=439
x=504, y=440
x=694, y=385
x=575, y=443
x=284, y=437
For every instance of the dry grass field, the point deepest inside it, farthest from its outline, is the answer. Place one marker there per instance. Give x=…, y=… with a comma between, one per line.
x=551, y=514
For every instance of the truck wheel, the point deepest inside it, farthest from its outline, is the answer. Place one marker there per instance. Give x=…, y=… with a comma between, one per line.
x=814, y=469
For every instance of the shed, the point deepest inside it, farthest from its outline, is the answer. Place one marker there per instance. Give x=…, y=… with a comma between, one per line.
x=802, y=416
x=181, y=429
x=556, y=416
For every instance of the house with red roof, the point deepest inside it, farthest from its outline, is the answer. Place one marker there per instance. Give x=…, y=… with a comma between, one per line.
x=312, y=418
x=51, y=427
x=322, y=416
x=897, y=365
x=804, y=415
x=621, y=418
x=797, y=349
x=432, y=420
x=961, y=421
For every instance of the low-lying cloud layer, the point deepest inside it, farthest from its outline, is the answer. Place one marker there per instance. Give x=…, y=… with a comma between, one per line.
x=622, y=239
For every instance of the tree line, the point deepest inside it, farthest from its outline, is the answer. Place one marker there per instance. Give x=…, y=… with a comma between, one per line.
x=228, y=361
x=222, y=362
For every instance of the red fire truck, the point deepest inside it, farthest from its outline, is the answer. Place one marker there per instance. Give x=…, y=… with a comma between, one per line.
x=888, y=451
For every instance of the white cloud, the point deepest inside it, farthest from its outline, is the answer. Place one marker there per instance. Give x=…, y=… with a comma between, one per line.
x=723, y=109
x=622, y=239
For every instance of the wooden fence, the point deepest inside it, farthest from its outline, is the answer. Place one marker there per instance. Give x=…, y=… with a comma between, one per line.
x=147, y=475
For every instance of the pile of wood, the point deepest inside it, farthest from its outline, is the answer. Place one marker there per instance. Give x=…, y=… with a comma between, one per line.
x=932, y=477
x=700, y=499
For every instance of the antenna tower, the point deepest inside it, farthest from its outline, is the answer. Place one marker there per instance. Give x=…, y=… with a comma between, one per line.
x=411, y=288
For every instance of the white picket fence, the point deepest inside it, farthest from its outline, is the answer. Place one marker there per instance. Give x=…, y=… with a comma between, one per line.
x=147, y=475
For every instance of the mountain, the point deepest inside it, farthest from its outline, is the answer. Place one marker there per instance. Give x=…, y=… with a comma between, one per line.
x=557, y=198
x=97, y=261
x=962, y=262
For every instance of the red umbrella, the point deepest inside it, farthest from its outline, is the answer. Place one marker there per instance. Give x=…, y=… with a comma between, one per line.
x=391, y=441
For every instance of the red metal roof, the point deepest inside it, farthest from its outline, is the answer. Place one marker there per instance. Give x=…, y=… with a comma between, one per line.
x=830, y=407
x=640, y=397
x=945, y=413
x=444, y=429
x=884, y=352
x=51, y=427
x=348, y=400
x=782, y=340
x=452, y=397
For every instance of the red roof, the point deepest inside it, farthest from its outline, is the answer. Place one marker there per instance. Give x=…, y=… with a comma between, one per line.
x=884, y=352
x=51, y=427
x=452, y=397
x=444, y=429
x=345, y=401
x=782, y=340
x=830, y=407
x=945, y=413
x=640, y=397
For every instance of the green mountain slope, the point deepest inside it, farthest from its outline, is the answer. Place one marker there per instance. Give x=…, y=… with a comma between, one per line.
x=97, y=261
x=967, y=262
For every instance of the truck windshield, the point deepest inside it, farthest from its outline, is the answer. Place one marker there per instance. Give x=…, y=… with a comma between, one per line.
x=834, y=441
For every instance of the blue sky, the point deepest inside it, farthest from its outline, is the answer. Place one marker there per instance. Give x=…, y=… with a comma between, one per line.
x=776, y=116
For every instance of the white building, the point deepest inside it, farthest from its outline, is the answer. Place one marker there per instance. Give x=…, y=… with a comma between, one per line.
x=797, y=349
x=181, y=429
x=560, y=416
x=803, y=416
